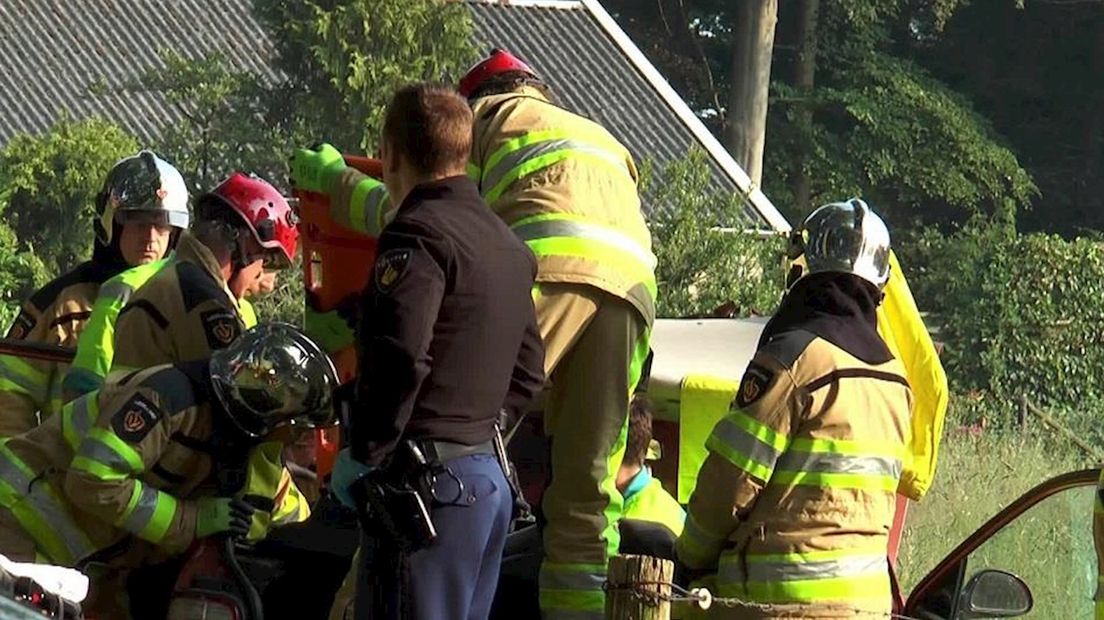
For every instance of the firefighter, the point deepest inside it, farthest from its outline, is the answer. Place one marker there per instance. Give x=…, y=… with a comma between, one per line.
x=448, y=337
x=795, y=500
x=193, y=306
x=138, y=456
x=567, y=188
x=96, y=348
x=645, y=497
x=141, y=210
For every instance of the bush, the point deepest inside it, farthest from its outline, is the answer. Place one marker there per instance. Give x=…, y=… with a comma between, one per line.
x=702, y=266
x=1020, y=314
x=48, y=185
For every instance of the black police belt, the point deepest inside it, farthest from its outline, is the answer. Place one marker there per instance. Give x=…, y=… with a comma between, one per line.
x=399, y=496
x=444, y=451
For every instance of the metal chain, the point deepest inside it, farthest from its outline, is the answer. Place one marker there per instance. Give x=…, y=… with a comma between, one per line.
x=704, y=599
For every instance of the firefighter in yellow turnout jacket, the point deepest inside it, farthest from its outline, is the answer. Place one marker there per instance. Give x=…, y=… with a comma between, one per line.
x=568, y=189
x=138, y=456
x=794, y=503
x=96, y=347
x=193, y=304
x=142, y=208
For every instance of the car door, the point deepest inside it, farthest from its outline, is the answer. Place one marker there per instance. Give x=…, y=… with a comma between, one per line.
x=1034, y=559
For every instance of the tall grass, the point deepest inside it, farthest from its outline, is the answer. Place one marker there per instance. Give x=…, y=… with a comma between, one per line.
x=1050, y=546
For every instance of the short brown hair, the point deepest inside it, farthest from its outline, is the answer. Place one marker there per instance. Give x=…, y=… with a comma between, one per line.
x=640, y=431
x=431, y=126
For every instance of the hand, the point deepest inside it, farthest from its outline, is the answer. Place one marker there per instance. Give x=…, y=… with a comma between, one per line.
x=223, y=514
x=331, y=330
x=316, y=169
x=346, y=472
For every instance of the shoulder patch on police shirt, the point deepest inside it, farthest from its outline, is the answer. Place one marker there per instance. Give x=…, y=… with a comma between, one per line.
x=390, y=267
x=22, y=326
x=135, y=419
x=221, y=326
x=756, y=380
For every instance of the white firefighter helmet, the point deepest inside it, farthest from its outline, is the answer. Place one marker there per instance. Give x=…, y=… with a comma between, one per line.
x=272, y=376
x=841, y=237
x=141, y=184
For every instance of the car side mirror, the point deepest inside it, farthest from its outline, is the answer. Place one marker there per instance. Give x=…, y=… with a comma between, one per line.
x=995, y=594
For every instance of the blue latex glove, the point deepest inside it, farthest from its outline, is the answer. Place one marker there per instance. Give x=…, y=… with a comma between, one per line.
x=346, y=472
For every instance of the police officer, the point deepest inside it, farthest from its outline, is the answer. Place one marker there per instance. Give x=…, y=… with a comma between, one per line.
x=448, y=338
x=136, y=457
x=141, y=210
x=795, y=500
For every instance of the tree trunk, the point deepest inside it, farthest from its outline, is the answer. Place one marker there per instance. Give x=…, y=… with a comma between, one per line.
x=805, y=80
x=753, y=44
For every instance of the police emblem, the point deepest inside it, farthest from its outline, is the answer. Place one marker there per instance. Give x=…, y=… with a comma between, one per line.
x=390, y=266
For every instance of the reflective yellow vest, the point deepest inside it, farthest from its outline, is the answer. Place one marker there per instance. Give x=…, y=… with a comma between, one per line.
x=96, y=347
x=647, y=500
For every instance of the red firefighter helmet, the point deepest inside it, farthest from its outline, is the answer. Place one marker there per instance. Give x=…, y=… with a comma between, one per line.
x=265, y=210
x=498, y=62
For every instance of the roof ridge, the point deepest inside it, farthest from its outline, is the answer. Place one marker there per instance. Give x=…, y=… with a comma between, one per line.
x=752, y=193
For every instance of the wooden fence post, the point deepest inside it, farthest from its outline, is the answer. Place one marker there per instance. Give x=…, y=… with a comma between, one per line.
x=639, y=588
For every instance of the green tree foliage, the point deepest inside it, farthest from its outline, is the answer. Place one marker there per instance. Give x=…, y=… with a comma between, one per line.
x=21, y=273
x=48, y=185
x=875, y=124
x=344, y=58
x=1034, y=71
x=228, y=124
x=1020, y=314
x=337, y=62
x=702, y=268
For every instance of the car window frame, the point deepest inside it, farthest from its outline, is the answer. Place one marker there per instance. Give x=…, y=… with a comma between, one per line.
x=955, y=561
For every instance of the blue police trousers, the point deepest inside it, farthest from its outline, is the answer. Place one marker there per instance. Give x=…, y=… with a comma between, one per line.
x=456, y=576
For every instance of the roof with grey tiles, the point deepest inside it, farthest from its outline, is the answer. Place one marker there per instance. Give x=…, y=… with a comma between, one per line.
x=74, y=56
